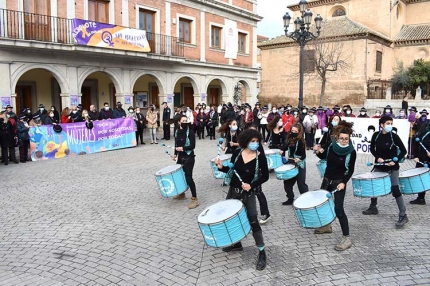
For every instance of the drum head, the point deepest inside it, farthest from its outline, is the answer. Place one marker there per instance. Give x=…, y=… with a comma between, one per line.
x=370, y=175
x=311, y=199
x=285, y=168
x=220, y=211
x=272, y=151
x=414, y=172
x=222, y=157
x=168, y=169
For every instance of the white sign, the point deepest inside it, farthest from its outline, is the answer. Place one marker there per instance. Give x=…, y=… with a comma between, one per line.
x=231, y=39
x=365, y=127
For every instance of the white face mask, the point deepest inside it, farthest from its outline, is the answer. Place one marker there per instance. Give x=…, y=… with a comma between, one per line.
x=106, y=107
x=362, y=113
x=387, y=111
x=304, y=111
x=402, y=114
x=86, y=115
x=295, y=113
x=131, y=111
x=280, y=123
x=42, y=109
x=348, y=112
x=274, y=110
x=52, y=114
x=74, y=111
x=137, y=111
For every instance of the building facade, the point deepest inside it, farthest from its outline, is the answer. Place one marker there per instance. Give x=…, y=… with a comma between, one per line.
x=41, y=62
x=374, y=36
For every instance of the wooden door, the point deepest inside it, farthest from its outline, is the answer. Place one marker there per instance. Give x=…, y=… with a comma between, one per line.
x=37, y=22
x=147, y=23
x=213, y=96
x=113, y=105
x=189, y=96
x=23, y=97
x=86, y=97
x=155, y=99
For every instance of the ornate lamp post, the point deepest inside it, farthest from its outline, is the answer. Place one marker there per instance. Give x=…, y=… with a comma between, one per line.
x=302, y=35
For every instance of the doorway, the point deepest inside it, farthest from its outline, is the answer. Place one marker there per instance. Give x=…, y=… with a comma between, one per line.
x=189, y=96
x=24, y=96
x=213, y=96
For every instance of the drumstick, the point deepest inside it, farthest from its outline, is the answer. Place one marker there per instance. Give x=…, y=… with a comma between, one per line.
x=421, y=143
x=220, y=141
x=240, y=179
x=164, y=145
x=325, y=129
x=395, y=159
x=424, y=164
x=167, y=152
x=329, y=195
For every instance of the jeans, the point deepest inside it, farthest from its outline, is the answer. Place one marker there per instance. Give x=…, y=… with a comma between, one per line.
x=153, y=134
x=339, y=197
x=250, y=203
x=187, y=163
x=264, y=208
x=301, y=184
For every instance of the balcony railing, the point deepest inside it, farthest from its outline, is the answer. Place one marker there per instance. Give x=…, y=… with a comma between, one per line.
x=43, y=28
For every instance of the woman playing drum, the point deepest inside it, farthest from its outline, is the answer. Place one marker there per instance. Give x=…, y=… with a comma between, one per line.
x=423, y=157
x=326, y=137
x=340, y=156
x=295, y=146
x=185, y=142
x=248, y=172
x=231, y=132
x=388, y=149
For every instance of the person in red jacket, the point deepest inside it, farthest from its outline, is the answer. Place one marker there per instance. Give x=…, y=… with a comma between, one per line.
x=363, y=113
x=65, y=115
x=348, y=112
x=287, y=120
x=248, y=117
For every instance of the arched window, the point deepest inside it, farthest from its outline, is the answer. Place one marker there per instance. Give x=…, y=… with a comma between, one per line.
x=339, y=12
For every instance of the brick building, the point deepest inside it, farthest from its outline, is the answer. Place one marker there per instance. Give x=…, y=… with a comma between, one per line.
x=41, y=62
x=374, y=36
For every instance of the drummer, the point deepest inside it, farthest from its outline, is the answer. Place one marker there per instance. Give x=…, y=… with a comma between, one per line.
x=277, y=134
x=185, y=142
x=385, y=146
x=340, y=156
x=295, y=148
x=326, y=137
x=423, y=156
x=231, y=131
x=251, y=167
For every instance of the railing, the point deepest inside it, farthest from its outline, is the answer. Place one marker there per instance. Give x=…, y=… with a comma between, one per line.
x=43, y=28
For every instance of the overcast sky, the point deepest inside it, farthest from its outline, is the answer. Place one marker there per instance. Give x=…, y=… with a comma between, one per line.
x=272, y=11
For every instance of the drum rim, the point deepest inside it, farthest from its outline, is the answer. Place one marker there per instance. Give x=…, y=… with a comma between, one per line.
x=224, y=219
x=426, y=171
x=168, y=172
x=317, y=205
x=213, y=159
x=316, y=226
x=376, y=178
x=294, y=167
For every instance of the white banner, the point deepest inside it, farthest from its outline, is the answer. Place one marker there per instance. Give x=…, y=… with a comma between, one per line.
x=230, y=39
x=365, y=127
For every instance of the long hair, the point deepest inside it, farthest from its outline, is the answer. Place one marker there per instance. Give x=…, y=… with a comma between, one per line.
x=247, y=135
x=178, y=118
x=272, y=124
x=299, y=137
x=225, y=127
x=343, y=127
x=65, y=112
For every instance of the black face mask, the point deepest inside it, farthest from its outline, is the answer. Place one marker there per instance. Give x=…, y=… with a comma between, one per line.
x=294, y=135
x=184, y=125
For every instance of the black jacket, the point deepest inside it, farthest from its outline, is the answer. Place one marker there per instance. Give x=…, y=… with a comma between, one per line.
x=22, y=131
x=94, y=115
x=166, y=114
x=229, y=114
x=7, y=136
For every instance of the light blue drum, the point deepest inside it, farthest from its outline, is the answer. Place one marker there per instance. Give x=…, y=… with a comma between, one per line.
x=371, y=184
x=274, y=159
x=414, y=181
x=286, y=172
x=171, y=180
x=225, y=159
x=224, y=223
x=313, y=209
x=322, y=165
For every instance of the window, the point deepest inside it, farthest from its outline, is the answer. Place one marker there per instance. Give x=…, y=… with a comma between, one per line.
x=185, y=30
x=98, y=11
x=242, y=43
x=216, y=37
x=41, y=7
x=339, y=12
x=37, y=24
x=310, y=61
x=378, y=61
x=147, y=23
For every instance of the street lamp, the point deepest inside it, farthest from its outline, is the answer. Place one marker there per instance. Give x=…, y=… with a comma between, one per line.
x=302, y=35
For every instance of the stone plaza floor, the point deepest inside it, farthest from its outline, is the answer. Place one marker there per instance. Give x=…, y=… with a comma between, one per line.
x=99, y=219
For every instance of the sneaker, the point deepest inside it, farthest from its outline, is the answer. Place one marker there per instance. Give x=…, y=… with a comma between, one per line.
x=234, y=247
x=261, y=262
x=344, y=244
x=288, y=202
x=265, y=219
x=372, y=210
x=418, y=202
x=403, y=219
x=180, y=197
x=324, y=229
x=194, y=203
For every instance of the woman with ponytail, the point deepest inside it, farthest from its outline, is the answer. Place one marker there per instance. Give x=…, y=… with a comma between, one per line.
x=231, y=131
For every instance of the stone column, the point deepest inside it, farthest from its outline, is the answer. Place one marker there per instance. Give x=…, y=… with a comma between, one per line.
x=65, y=99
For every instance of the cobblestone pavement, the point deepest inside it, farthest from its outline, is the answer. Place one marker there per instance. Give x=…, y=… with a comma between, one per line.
x=99, y=219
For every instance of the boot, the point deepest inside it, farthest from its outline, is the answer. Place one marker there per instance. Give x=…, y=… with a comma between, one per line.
x=180, y=197
x=403, y=219
x=324, y=229
x=261, y=263
x=418, y=201
x=344, y=244
x=288, y=202
x=234, y=247
x=194, y=203
x=372, y=210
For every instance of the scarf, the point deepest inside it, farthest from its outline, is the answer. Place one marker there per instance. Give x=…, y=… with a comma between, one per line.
x=342, y=151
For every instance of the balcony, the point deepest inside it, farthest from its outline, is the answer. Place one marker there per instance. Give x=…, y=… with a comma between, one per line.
x=49, y=29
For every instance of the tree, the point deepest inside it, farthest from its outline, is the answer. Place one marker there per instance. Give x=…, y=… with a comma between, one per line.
x=419, y=74
x=400, y=80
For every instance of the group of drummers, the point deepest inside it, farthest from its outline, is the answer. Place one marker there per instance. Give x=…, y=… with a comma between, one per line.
x=245, y=167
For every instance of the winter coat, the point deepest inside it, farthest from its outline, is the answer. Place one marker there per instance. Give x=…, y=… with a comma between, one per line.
x=7, y=135
x=22, y=131
x=310, y=123
x=151, y=117
x=201, y=119
x=119, y=113
x=213, y=119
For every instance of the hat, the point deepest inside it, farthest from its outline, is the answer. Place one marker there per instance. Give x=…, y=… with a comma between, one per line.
x=164, y=102
x=413, y=108
x=24, y=110
x=79, y=106
x=22, y=117
x=363, y=109
x=89, y=125
x=8, y=106
x=320, y=108
x=304, y=107
x=388, y=106
x=257, y=103
x=57, y=128
x=36, y=116
x=229, y=105
x=41, y=106
x=265, y=107
x=130, y=107
x=119, y=103
x=313, y=109
x=336, y=107
x=424, y=111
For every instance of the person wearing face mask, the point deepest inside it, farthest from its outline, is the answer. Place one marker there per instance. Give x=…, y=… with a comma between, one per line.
x=75, y=115
x=287, y=119
x=7, y=139
x=264, y=114
x=256, y=112
x=388, y=111
x=377, y=114
x=277, y=134
x=94, y=114
x=50, y=119
x=402, y=114
x=348, y=112
x=421, y=123
x=231, y=133
x=42, y=112
x=294, y=150
x=133, y=115
x=185, y=143
x=248, y=117
x=23, y=137
x=87, y=119
x=141, y=125
x=272, y=114
x=384, y=146
x=35, y=121
x=363, y=113
x=119, y=112
x=310, y=123
x=303, y=114
x=212, y=122
x=336, y=111
x=166, y=121
x=56, y=113
x=151, y=118
x=201, y=123
x=340, y=156
x=322, y=118
x=251, y=167
x=106, y=112
x=10, y=113
x=27, y=112
x=327, y=136
x=412, y=117
x=65, y=116
x=296, y=115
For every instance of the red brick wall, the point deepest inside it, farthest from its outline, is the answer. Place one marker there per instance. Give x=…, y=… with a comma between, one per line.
x=244, y=4
x=190, y=52
x=118, y=14
x=214, y=55
x=153, y=4
x=62, y=8
x=12, y=5
x=79, y=9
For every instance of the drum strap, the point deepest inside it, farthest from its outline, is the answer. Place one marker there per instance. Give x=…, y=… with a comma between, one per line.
x=302, y=163
x=347, y=158
x=392, y=144
x=187, y=141
x=230, y=173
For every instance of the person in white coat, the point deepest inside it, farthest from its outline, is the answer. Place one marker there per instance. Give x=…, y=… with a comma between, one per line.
x=310, y=123
x=190, y=117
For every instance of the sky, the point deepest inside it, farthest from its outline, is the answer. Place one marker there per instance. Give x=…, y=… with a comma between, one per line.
x=272, y=11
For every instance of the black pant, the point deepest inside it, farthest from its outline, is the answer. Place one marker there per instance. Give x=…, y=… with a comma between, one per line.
x=421, y=195
x=309, y=138
x=339, y=197
x=201, y=131
x=264, y=208
x=211, y=131
x=301, y=184
x=262, y=129
x=139, y=135
x=166, y=131
x=5, y=154
x=187, y=162
x=23, y=150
